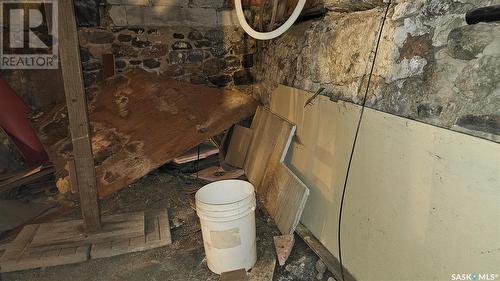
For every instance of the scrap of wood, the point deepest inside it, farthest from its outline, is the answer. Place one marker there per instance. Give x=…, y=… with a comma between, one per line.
x=19, y=256
x=283, y=245
x=235, y=275
x=156, y=234
x=204, y=150
x=142, y=120
x=25, y=177
x=216, y=173
x=21, y=253
x=238, y=146
x=263, y=270
x=71, y=233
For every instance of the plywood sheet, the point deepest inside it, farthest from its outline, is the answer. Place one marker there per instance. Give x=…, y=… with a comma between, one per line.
x=270, y=141
x=141, y=120
x=319, y=155
x=238, y=146
x=423, y=198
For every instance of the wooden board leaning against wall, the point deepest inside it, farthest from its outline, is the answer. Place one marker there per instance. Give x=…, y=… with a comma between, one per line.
x=418, y=196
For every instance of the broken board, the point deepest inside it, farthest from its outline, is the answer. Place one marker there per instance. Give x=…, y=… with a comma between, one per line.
x=21, y=254
x=142, y=120
x=238, y=146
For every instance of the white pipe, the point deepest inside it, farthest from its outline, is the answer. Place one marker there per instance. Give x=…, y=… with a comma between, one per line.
x=272, y=34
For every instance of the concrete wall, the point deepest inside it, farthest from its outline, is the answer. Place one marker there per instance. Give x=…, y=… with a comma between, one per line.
x=430, y=66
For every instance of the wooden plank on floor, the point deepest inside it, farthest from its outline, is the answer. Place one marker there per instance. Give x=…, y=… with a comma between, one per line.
x=263, y=270
x=18, y=255
x=330, y=261
x=156, y=234
x=235, y=275
x=238, y=146
x=71, y=233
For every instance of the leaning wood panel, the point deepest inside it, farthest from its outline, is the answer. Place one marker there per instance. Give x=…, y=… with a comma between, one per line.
x=238, y=146
x=270, y=141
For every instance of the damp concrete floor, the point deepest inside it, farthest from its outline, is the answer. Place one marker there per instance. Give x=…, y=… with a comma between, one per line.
x=184, y=259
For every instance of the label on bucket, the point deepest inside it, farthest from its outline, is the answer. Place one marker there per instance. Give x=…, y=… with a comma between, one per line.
x=225, y=239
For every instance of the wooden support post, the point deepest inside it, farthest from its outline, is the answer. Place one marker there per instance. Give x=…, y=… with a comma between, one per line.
x=69, y=53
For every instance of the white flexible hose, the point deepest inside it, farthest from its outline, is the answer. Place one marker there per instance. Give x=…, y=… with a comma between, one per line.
x=272, y=34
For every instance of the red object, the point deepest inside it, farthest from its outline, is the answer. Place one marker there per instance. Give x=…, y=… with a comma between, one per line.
x=15, y=123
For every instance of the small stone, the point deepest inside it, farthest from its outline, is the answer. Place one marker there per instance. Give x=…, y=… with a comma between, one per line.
x=243, y=77
x=198, y=79
x=247, y=61
x=429, y=110
x=467, y=42
x=124, y=37
x=231, y=63
x=138, y=30
x=484, y=123
x=178, y=35
x=215, y=35
x=91, y=66
x=177, y=57
x=151, y=63
x=84, y=55
x=181, y=45
x=195, y=56
x=320, y=266
x=100, y=37
x=219, y=51
x=87, y=13
x=319, y=276
x=123, y=50
x=154, y=51
x=330, y=279
x=136, y=42
x=202, y=43
x=212, y=66
x=88, y=78
x=120, y=64
x=195, y=35
x=221, y=80
x=174, y=71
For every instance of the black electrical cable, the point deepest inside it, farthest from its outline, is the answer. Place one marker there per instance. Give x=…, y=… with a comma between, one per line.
x=363, y=105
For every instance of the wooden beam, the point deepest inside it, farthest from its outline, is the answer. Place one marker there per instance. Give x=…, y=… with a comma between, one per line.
x=69, y=53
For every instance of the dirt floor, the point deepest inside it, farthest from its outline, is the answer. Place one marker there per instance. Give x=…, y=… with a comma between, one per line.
x=185, y=258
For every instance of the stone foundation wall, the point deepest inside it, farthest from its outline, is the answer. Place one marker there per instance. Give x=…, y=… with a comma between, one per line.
x=212, y=56
x=430, y=65
x=195, y=41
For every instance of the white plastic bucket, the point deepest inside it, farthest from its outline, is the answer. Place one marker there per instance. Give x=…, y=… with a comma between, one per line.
x=227, y=215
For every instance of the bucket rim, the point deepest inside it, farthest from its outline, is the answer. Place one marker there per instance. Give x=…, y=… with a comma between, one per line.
x=248, y=184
